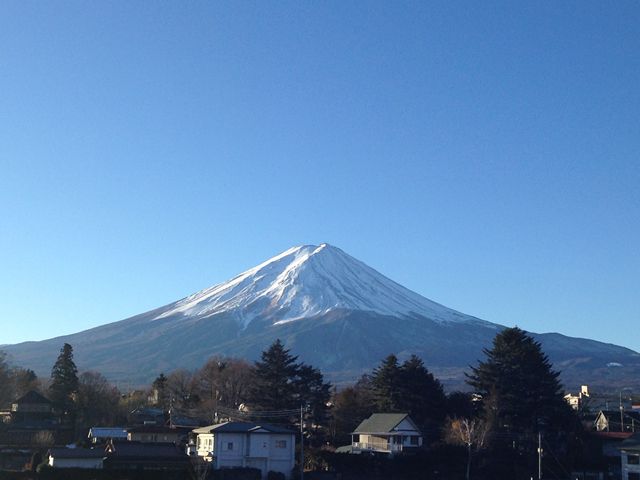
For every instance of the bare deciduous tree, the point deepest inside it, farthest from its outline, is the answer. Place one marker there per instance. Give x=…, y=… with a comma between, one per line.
x=223, y=382
x=472, y=433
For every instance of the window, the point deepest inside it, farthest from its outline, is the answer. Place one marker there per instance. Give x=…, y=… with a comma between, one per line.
x=281, y=444
x=229, y=445
x=413, y=440
x=633, y=460
x=633, y=476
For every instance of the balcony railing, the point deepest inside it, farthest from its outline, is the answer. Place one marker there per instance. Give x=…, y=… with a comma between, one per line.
x=378, y=446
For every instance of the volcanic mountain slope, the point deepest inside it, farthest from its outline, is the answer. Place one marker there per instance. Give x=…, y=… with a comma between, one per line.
x=332, y=310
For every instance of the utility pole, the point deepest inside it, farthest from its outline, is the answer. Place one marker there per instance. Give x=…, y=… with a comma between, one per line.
x=621, y=413
x=539, y=456
x=301, y=444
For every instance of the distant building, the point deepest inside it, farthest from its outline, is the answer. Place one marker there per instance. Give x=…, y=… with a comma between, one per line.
x=101, y=435
x=147, y=416
x=123, y=455
x=157, y=434
x=617, y=421
x=31, y=422
x=145, y=456
x=32, y=407
x=76, y=458
x=577, y=402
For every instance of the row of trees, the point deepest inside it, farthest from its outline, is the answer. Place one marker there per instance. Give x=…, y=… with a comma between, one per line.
x=15, y=381
x=516, y=395
x=277, y=384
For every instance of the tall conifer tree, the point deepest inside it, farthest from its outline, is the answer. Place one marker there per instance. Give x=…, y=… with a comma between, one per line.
x=64, y=382
x=520, y=389
x=385, y=383
x=421, y=394
x=283, y=384
x=275, y=386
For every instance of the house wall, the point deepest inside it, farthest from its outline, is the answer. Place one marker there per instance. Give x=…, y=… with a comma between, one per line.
x=92, y=463
x=229, y=450
x=31, y=407
x=264, y=451
x=154, y=437
x=282, y=455
x=630, y=465
x=258, y=446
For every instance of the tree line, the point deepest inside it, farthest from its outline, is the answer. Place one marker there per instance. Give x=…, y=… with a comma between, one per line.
x=514, y=396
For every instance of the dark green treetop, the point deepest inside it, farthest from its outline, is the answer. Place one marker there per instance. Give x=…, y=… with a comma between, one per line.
x=275, y=386
x=408, y=388
x=520, y=390
x=281, y=383
x=64, y=380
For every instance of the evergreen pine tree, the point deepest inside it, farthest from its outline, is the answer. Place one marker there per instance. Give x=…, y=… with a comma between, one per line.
x=520, y=389
x=64, y=382
x=420, y=394
x=283, y=384
x=5, y=392
x=385, y=383
x=275, y=385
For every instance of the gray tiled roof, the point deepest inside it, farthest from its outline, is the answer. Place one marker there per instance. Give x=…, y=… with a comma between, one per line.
x=241, y=427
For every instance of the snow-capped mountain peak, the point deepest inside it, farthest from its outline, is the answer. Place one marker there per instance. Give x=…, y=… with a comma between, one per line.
x=306, y=281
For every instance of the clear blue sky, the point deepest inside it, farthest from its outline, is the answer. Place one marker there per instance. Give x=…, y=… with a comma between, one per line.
x=483, y=154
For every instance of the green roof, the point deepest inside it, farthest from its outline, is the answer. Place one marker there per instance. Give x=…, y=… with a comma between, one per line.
x=380, y=423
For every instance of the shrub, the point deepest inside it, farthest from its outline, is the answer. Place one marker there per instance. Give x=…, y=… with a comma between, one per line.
x=275, y=475
x=237, y=473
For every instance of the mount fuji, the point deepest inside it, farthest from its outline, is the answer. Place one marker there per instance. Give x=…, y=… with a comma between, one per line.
x=332, y=310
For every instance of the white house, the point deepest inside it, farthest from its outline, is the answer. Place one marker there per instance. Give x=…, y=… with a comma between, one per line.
x=386, y=433
x=244, y=444
x=630, y=455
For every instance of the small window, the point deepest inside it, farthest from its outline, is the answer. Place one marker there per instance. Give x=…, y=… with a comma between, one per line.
x=229, y=445
x=281, y=444
x=633, y=460
x=413, y=440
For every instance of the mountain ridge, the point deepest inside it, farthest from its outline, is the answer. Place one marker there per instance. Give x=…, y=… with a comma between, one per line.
x=331, y=309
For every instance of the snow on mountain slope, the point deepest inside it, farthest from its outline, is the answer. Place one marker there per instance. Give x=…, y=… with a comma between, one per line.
x=306, y=281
